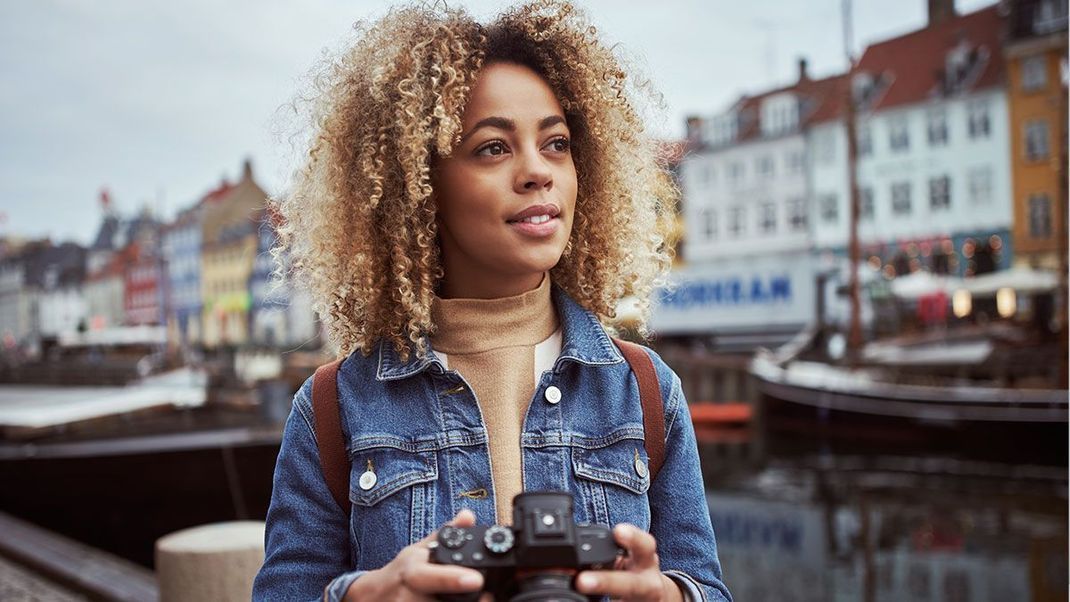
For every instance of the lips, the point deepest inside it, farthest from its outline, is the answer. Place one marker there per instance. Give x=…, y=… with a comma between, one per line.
x=546, y=209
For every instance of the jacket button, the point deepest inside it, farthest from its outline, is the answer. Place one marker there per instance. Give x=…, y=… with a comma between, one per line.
x=640, y=468
x=367, y=480
x=553, y=394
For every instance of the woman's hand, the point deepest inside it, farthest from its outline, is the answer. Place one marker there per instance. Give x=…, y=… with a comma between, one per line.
x=410, y=576
x=640, y=580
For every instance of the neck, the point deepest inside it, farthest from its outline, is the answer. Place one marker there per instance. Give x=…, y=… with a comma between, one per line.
x=488, y=288
x=473, y=325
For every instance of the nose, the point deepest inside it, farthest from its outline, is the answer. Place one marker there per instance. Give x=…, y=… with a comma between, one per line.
x=533, y=173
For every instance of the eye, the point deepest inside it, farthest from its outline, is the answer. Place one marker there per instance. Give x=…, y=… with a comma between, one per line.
x=560, y=145
x=492, y=149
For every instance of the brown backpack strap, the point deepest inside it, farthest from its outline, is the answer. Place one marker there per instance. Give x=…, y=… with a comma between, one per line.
x=333, y=460
x=650, y=398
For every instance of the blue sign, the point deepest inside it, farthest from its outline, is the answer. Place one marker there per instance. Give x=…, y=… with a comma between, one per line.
x=782, y=534
x=727, y=291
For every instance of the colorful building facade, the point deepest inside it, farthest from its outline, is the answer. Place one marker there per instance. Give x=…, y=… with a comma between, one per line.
x=229, y=243
x=1035, y=53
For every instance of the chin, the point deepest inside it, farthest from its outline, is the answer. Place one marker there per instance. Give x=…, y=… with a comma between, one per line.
x=533, y=266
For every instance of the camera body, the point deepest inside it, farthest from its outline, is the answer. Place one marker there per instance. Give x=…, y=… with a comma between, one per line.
x=536, y=558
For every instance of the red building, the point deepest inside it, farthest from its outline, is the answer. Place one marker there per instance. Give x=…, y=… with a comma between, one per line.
x=142, y=287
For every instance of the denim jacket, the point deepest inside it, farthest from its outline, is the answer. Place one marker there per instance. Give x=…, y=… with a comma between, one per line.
x=418, y=428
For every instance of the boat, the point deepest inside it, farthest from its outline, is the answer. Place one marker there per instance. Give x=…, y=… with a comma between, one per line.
x=118, y=467
x=984, y=391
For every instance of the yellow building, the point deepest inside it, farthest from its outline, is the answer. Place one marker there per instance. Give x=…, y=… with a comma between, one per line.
x=229, y=237
x=1035, y=53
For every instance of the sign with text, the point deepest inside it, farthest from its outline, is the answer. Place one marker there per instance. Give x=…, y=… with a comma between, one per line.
x=738, y=294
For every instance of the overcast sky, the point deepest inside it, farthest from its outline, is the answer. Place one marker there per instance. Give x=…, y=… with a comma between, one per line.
x=159, y=100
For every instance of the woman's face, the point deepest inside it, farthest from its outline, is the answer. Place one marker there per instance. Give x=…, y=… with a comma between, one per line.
x=513, y=162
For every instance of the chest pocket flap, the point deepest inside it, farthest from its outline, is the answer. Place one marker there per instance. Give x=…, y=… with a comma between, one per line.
x=392, y=467
x=623, y=463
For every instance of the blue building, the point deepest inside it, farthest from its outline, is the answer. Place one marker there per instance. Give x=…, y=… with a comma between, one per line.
x=268, y=315
x=182, y=255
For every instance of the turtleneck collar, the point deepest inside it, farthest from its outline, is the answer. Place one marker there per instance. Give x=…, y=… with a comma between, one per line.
x=477, y=325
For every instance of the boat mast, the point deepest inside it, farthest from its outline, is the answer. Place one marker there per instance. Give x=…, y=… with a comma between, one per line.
x=854, y=337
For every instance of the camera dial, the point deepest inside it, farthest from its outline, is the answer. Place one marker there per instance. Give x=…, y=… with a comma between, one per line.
x=452, y=537
x=498, y=539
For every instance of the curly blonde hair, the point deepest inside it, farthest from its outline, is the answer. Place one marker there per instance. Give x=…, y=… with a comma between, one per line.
x=358, y=222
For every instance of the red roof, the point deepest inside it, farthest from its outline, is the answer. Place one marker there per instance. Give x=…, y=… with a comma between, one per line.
x=913, y=65
x=218, y=193
x=819, y=100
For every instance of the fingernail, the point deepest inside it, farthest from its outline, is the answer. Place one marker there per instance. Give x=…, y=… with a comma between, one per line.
x=470, y=580
x=588, y=581
x=624, y=531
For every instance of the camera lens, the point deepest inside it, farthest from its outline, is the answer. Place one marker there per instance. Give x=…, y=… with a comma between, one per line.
x=498, y=539
x=548, y=586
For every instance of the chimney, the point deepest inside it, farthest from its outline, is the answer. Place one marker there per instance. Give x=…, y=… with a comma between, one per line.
x=694, y=129
x=803, y=75
x=247, y=169
x=940, y=11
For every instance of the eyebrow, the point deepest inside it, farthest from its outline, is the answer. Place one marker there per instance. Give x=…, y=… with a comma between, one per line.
x=509, y=125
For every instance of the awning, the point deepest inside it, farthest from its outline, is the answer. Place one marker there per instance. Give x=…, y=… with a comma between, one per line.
x=922, y=283
x=1021, y=279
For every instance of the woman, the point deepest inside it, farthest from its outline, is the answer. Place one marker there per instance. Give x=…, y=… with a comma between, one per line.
x=476, y=200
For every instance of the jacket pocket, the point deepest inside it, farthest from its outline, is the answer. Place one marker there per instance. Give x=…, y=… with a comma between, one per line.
x=613, y=479
x=391, y=488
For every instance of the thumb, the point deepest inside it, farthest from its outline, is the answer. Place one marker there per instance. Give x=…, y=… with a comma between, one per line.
x=464, y=518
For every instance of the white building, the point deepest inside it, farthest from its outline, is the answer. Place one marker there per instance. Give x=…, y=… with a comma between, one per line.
x=41, y=294
x=934, y=166
x=104, y=298
x=15, y=304
x=745, y=187
x=749, y=275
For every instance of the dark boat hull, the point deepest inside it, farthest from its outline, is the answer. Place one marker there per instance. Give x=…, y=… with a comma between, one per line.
x=121, y=494
x=840, y=428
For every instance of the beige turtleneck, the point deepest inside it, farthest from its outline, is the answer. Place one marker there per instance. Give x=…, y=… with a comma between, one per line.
x=494, y=344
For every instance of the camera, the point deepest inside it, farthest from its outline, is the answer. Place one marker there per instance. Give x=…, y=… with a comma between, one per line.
x=535, y=559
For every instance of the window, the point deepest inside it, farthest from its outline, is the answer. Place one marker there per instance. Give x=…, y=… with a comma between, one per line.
x=830, y=208
x=1036, y=140
x=722, y=129
x=865, y=141
x=778, y=114
x=901, y=198
x=940, y=193
x=1049, y=16
x=898, y=135
x=764, y=167
x=736, y=216
x=1034, y=74
x=865, y=203
x=978, y=126
x=735, y=174
x=826, y=147
x=797, y=214
x=980, y=184
x=1039, y=216
x=937, y=127
x=767, y=223
x=703, y=176
x=709, y=224
x=796, y=162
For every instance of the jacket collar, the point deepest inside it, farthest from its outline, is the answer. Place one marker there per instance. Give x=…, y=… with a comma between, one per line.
x=583, y=340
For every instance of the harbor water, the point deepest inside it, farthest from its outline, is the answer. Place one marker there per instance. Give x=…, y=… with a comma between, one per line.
x=806, y=521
